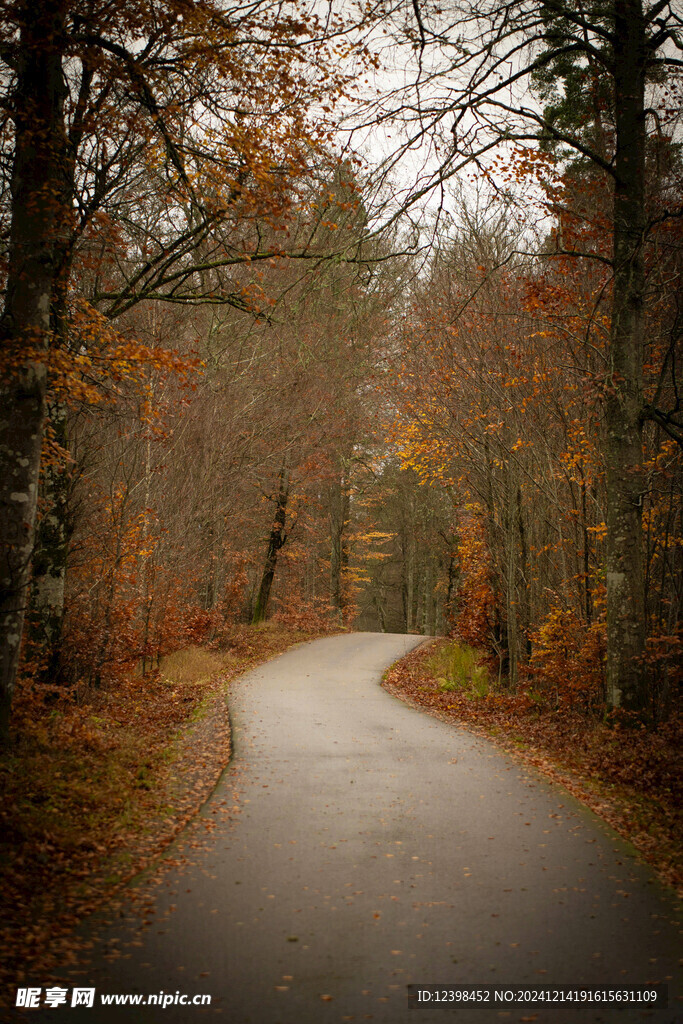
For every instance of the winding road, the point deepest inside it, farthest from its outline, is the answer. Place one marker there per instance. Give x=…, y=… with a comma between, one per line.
x=356, y=845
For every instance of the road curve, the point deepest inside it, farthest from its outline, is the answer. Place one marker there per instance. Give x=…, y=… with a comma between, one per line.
x=367, y=846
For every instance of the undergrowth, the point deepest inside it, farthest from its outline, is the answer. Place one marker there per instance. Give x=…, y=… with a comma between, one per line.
x=457, y=667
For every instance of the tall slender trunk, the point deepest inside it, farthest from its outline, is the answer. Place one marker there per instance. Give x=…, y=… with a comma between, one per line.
x=586, y=551
x=49, y=564
x=429, y=606
x=38, y=221
x=48, y=575
x=378, y=598
x=407, y=549
x=276, y=540
x=523, y=593
x=511, y=606
x=624, y=405
x=339, y=515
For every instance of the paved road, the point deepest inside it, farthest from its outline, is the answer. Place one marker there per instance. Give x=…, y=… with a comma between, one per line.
x=375, y=847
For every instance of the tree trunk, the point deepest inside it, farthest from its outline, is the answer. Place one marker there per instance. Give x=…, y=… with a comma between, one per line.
x=38, y=220
x=48, y=577
x=624, y=405
x=524, y=578
x=339, y=514
x=511, y=605
x=276, y=540
x=428, y=609
x=378, y=598
x=408, y=578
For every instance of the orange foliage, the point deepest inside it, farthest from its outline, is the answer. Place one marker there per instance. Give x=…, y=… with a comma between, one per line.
x=568, y=659
x=475, y=596
x=500, y=389
x=313, y=616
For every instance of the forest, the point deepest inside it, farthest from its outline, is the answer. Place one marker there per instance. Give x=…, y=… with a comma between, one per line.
x=342, y=315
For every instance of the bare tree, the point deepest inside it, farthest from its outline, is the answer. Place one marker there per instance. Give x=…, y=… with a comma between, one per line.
x=200, y=111
x=473, y=92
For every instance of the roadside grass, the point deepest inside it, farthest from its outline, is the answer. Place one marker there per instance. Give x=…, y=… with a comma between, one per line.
x=630, y=776
x=457, y=667
x=193, y=665
x=97, y=783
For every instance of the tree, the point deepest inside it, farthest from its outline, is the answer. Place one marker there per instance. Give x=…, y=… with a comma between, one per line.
x=199, y=110
x=476, y=66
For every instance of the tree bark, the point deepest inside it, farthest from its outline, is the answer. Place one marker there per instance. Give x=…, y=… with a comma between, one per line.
x=624, y=405
x=276, y=540
x=38, y=219
x=48, y=569
x=339, y=556
x=408, y=558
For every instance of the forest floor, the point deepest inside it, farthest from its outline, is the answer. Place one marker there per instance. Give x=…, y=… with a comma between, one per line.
x=631, y=777
x=97, y=785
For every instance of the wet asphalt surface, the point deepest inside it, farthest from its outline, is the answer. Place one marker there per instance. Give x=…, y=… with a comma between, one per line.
x=355, y=846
